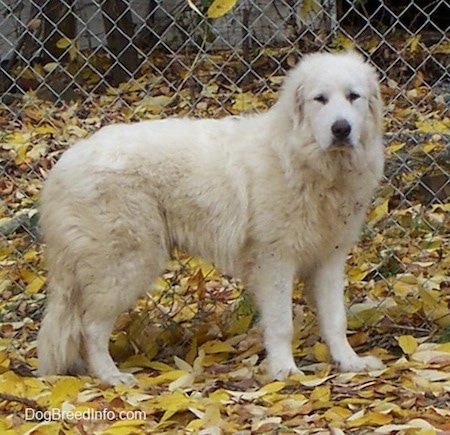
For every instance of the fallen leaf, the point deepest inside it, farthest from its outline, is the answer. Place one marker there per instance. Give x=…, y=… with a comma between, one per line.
x=408, y=344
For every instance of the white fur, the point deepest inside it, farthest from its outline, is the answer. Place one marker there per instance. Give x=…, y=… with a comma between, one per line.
x=267, y=198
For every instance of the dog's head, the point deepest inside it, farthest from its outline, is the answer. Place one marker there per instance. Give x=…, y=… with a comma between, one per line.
x=336, y=97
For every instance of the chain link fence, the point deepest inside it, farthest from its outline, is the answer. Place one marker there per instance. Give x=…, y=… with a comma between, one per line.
x=70, y=67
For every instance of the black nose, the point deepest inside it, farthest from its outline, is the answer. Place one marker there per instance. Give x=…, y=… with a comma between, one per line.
x=341, y=129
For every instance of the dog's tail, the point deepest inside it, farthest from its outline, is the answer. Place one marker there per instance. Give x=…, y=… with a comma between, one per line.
x=59, y=339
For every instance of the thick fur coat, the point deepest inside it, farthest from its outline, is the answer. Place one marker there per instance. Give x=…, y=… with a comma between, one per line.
x=267, y=198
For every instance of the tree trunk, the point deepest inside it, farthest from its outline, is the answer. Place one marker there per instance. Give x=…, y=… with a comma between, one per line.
x=58, y=21
x=119, y=30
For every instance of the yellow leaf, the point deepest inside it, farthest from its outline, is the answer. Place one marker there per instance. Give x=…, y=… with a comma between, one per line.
x=240, y=325
x=415, y=426
x=434, y=125
x=4, y=362
x=135, y=399
x=173, y=403
x=11, y=383
x=182, y=382
x=337, y=413
x=408, y=344
x=242, y=316
x=429, y=297
x=207, y=268
x=371, y=418
x=321, y=353
x=45, y=129
x=136, y=361
x=441, y=207
x=443, y=47
x=214, y=358
x=154, y=104
x=355, y=274
x=63, y=43
x=216, y=346
x=403, y=289
x=322, y=393
x=51, y=66
x=273, y=387
x=161, y=367
x=219, y=8
x=43, y=428
x=243, y=102
x=219, y=395
x=6, y=250
x=212, y=414
x=429, y=147
x=311, y=381
x=21, y=154
x=161, y=285
x=16, y=139
x=35, y=285
x=182, y=365
x=413, y=42
x=266, y=425
x=396, y=146
x=445, y=347
x=73, y=52
x=194, y=426
x=198, y=362
x=65, y=388
x=245, y=395
x=30, y=255
x=434, y=306
x=27, y=275
x=379, y=212
x=342, y=42
x=125, y=427
x=165, y=377
x=309, y=7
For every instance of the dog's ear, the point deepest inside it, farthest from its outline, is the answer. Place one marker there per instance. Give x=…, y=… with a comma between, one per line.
x=299, y=103
x=291, y=99
x=299, y=100
x=375, y=100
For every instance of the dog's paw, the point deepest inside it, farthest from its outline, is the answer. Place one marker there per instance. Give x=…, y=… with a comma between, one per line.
x=280, y=373
x=119, y=378
x=359, y=364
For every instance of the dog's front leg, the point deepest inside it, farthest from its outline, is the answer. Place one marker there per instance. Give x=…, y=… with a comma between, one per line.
x=327, y=289
x=270, y=283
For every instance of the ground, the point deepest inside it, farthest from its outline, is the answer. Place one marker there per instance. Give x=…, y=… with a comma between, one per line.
x=194, y=345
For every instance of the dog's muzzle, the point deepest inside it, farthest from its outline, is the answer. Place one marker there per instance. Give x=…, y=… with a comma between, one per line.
x=341, y=130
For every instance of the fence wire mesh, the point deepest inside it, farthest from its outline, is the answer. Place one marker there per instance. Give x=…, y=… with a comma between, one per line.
x=70, y=67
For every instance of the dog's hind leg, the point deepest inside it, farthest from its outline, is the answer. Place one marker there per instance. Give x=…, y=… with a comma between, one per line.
x=111, y=292
x=97, y=329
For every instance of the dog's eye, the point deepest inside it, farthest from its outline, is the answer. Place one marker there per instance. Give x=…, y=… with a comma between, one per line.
x=352, y=96
x=321, y=99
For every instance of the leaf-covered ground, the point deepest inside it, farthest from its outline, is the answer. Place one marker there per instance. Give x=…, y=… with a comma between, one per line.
x=195, y=346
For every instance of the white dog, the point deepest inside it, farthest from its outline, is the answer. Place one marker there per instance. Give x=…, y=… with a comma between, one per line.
x=266, y=197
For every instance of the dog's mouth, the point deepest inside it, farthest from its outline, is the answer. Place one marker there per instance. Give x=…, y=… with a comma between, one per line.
x=342, y=144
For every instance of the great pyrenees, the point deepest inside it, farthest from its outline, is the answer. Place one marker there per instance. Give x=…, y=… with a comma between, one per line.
x=267, y=198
